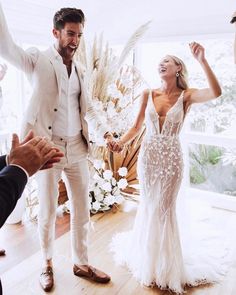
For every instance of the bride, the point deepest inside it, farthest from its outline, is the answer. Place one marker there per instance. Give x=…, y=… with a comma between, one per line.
x=153, y=251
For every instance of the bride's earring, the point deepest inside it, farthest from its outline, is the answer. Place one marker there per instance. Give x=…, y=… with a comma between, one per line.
x=177, y=74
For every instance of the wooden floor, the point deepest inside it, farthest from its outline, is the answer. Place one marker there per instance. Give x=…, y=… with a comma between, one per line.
x=20, y=268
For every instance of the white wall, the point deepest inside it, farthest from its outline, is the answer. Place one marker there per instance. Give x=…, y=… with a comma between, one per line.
x=31, y=20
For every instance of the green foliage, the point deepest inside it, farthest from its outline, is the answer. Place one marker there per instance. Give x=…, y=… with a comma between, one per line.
x=196, y=176
x=201, y=156
x=214, y=155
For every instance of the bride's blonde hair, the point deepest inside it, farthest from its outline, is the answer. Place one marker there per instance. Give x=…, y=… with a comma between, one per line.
x=182, y=78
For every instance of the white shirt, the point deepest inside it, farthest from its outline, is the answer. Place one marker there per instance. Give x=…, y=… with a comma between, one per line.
x=67, y=119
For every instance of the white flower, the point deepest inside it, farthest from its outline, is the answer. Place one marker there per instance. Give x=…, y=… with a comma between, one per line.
x=113, y=181
x=96, y=190
x=122, y=171
x=98, y=164
x=97, y=177
x=96, y=205
x=99, y=197
x=110, y=105
x=99, y=180
x=116, y=191
x=111, y=112
x=123, y=102
x=122, y=183
x=98, y=105
x=90, y=203
x=107, y=174
x=107, y=187
x=119, y=199
x=113, y=91
x=109, y=200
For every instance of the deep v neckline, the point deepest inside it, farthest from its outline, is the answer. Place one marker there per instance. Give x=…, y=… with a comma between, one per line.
x=157, y=114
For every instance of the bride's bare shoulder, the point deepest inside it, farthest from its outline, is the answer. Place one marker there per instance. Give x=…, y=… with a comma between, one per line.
x=187, y=94
x=156, y=92
x=145, y=94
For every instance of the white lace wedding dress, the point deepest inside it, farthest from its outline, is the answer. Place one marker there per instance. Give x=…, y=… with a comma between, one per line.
x=153, y=251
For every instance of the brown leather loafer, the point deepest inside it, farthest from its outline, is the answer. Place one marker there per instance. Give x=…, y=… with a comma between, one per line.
x=91, y=273
x=2, y=252
x=46, y=279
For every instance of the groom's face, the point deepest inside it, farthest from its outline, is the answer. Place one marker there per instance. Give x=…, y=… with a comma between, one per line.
x=68, y=39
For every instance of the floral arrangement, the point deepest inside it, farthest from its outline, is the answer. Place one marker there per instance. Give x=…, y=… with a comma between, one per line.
x=113, y=86
x=105, y=189
x=122, y=94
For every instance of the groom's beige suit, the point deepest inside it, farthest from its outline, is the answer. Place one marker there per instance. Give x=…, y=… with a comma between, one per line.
x=46, y=73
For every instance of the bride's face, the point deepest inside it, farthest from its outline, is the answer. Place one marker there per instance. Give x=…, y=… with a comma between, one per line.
x=167, y=67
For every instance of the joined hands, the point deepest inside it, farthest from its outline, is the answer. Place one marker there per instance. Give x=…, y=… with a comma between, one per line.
x=112, y=144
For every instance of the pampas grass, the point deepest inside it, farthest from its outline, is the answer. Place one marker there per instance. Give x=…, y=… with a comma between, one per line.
x=101, y=66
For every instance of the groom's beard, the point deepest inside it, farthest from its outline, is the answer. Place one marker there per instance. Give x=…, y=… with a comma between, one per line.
x=67, y=52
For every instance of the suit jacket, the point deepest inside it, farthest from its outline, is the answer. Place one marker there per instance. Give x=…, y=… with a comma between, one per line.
x=43, y=70
x=12, y=183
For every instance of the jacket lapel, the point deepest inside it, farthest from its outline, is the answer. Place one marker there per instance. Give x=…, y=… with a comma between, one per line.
x=56, y=63
x=82, y=99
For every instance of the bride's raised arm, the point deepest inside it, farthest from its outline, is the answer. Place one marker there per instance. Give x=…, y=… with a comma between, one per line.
x=214, y=89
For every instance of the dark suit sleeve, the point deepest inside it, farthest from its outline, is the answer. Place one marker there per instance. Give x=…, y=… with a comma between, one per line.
x=2, y=162
x=12, y=183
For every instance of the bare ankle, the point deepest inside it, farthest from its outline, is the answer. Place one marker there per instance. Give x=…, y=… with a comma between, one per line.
x=47, y=262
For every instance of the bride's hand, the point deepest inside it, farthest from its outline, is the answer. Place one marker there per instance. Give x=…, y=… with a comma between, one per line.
x=109, y=140
x=198, y=51
x=117, y=146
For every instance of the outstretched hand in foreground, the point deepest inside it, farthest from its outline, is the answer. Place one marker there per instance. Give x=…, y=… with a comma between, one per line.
x=33, y=153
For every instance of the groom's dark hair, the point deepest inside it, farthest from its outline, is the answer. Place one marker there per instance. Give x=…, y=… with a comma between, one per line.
x=233, y=20
x=67, y=15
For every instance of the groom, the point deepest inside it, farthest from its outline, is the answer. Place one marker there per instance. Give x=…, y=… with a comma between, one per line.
x=59, y=109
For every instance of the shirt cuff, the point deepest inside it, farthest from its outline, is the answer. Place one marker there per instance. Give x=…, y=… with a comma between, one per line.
x=6, y=160
x=26, y=173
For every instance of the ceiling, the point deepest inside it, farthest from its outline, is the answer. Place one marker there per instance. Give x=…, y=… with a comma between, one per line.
x=31, y=20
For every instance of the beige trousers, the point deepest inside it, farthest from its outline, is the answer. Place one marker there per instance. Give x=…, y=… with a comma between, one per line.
x=75, y=167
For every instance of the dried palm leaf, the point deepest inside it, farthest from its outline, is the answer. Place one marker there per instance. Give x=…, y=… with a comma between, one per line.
x=132, y=42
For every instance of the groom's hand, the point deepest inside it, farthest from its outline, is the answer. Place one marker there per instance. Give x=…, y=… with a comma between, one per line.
x=109, y=140
x=117, y=147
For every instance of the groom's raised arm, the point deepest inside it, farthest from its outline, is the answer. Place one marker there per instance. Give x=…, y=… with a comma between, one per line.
x=13, y=53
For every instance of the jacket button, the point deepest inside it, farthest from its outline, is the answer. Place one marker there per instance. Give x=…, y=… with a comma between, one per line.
x=49, y=127
x=55, y=110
